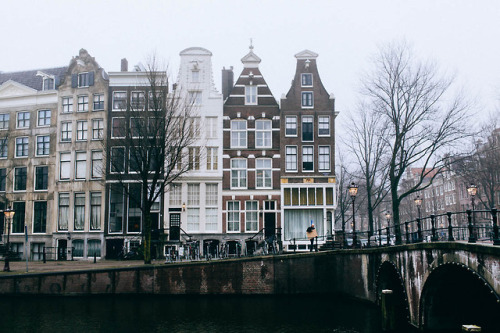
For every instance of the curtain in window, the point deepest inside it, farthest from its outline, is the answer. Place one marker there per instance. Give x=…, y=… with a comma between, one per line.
x=94, y=247
x=297, y=221
x=78, y=248
x=63, y=211
x=79, y=211
x=95, y=211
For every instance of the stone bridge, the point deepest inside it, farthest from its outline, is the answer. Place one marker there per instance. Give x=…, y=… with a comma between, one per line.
x=432, y=286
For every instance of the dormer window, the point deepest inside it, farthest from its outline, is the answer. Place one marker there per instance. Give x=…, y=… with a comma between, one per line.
x=82, y=80
x=250, y=95
x=48, y=83
x=306, y=80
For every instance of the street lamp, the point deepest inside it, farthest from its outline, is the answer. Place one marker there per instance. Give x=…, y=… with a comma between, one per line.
x=353, y=191
x=418, y=202
x=9, y=214
x=472, y=191
x=388, y=233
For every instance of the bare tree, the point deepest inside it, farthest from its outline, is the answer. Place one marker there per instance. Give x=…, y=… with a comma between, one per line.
x=368, y=143
x=425, y=120
x=157, y=133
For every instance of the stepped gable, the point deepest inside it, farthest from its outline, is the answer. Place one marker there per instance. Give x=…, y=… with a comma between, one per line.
x=31, y=79
x=251, y=75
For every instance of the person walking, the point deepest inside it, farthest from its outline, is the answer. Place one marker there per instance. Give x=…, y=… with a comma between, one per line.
x=311, y=234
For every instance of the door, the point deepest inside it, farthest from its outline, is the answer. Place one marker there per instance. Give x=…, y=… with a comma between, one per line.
x=175, y=227
x=270, y=225
x=114, y=248
x=62, y=247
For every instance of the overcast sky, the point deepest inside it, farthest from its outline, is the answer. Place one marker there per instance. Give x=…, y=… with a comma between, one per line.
x=462, y=36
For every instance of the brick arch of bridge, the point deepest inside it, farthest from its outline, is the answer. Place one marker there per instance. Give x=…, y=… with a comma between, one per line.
x=415, y=264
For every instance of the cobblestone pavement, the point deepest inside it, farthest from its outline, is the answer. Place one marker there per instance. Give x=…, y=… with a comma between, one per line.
x=19, y=267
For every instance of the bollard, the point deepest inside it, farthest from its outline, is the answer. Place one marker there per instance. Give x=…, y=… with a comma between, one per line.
x=433, y=228
x=450, y=228
x=387, y=307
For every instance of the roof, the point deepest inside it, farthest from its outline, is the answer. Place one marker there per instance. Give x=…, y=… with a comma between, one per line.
x=30, y=78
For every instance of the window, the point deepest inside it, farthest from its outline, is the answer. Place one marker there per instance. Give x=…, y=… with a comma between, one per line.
x=4, y=121
x=134, y=160
x=42, y=145
x=116, y=208
x=238, y=134
x=118, y=127
x=78, y=245
x=194, y=158
x=81, y=130
x=137, y=100
x=4, y=147
x=233, y=216
x=98, y=102
x=3, y=178
x=250, y=95
x=48, y=83
x=212, y=158
x=43, y=118
x=96, y=164
x=40, y=216
x=41, y=178
x=195, y=76
x=66, y=128
x=83, y=103
x=211, y=194
x=65, y=166
x=263, y=134
x=119, y=100
x=175, y=195
x=137, y=127
x=20, y=176
x=307, y=158
x=324, y=126
x=97, y=129
x=195, y=97
x=117, y=159
x=290, y=126
x=23, y=119
x=193, y=219
x=307, y=99
x=93, y=248
x=306, y=80
x=307, y=128
x=193, y=195
x=19, y=217
x=251, y=216
x=291, y=158
x=155, y=102
x=83, y=80
x=79, y=217
x=194, y=127
x=238, y=173
x=324, y=158
x=211, y=218
x=211, y=126
x=134, y=208
x=80, y=165
x=67, y=104
x=263, y=171
x=22, y=147
x=95, y=210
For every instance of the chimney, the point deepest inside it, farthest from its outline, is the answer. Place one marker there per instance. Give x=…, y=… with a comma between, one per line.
x=227, y=81
x=124, y=65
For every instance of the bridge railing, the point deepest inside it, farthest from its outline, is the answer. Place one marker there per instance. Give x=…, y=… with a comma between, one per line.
x=471, y=226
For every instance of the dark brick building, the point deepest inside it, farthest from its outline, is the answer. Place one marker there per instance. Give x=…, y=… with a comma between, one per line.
x=251, y=156
x=307, y=155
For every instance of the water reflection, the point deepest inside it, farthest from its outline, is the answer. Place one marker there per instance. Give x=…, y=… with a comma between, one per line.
x=187, y=314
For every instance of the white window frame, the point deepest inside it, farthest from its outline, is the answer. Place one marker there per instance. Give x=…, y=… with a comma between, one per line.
x=124, y=100
x=66, y=131
x=233, y=216
x=175, y=194
x=36, y=178
x=16, y=180
x=194, y=158
x=97, y=166
x=80, y=165
x=321, y=156
x=83, y=103
x=239, y=134
x=122, y=129
x=195, y=97
x=44, y=119
x=291, y=128
x=249, y=213
x=115, y=148
x=211, y=123
x=310, y=119
x=4, y=148
x=137, y=103
x=25, y=147
x=4, y=121
x=264, y=134
x=43, y=143
x=302, y=100
x=212, y=158
x=64, y=164
x=251, y=95
x=308, y=147
x=25, y=121
x=263, y=178
x=239, y=173
x=99, y=99
x=99, y=129
x=302, y=79
x=82, y=130
x=320, y=123
x=83, y=79
x=287, y=162
x=67, y=104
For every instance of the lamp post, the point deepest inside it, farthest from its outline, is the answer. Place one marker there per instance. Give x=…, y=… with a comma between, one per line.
x=353, y=191
x=388, y=233
x=418, y=202
x=472, y=190
x=9, y=214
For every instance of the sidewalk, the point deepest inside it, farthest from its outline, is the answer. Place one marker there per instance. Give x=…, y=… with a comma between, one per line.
x=19, y=267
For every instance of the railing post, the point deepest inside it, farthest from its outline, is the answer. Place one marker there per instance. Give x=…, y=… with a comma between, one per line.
x=419, y=230
x=388, y=233
x=450, y=228
x=472, y=238
x=380, y=237
x=407, y=233
x=496, y=241
x=433, y=228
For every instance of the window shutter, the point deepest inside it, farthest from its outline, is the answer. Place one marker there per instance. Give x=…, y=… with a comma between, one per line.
x=57, y=81
x=74, y=80
x=91, y=78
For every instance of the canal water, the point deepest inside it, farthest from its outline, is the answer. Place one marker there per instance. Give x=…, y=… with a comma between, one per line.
x=183, y=314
